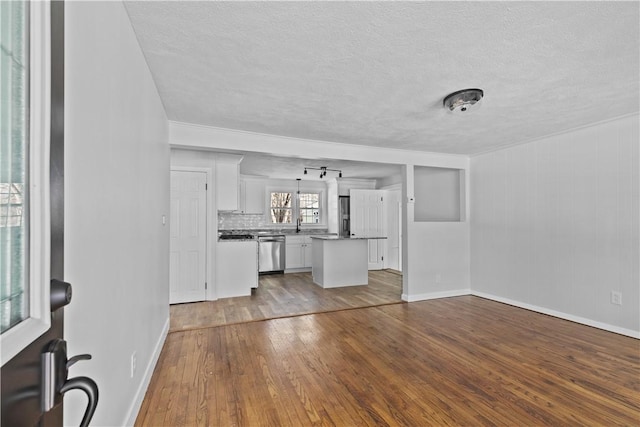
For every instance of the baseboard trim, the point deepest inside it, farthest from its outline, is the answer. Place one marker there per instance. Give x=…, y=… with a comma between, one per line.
x=435, y=295
x=146, y=379
x=582, y=320
x=588, y=322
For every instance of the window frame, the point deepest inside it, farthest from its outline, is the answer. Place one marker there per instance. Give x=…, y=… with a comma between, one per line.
x=299, y=208
x=38, y=321
x=292, y=208
x=322, y=220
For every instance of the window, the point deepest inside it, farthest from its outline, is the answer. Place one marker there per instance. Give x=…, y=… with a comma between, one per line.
x=281, y=208
x=14, y=220
x=309, y=208
x=25, y=109
x=286, y=208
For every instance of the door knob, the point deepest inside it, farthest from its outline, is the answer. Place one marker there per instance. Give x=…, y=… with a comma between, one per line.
x=55, y=381
x=60, y=294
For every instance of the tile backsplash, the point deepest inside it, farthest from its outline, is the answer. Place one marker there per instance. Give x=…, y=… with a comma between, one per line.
x=234, y=221
x=237, y=221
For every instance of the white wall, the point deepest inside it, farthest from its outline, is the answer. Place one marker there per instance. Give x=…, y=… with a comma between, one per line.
x=555, y=225
x=435, y=255
x=116, y=184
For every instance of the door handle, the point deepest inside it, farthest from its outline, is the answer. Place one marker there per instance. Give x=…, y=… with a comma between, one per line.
x=55, y=381
x=90, y=387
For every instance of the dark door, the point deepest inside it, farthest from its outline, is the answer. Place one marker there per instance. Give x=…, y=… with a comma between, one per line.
x=21, y=375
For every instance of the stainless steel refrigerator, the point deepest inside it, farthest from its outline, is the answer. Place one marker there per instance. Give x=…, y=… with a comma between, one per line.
x=344, y=220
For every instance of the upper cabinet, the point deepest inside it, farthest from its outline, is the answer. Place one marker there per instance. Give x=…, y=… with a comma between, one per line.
x=252, y=195
x=227, y=170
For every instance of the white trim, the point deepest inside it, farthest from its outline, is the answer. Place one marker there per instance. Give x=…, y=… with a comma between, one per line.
x=577, y=319
x=435, y=295
x=20, y=336
x=588, y=322
x=193, y=136
x=391, y=187
x=132, y=413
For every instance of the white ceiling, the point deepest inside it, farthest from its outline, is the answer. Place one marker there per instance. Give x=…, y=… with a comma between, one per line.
x=293, y=167
x=375, y=73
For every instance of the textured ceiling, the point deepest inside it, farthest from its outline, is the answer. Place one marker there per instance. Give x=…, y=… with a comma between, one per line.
x=293, y=167
x=375, y=73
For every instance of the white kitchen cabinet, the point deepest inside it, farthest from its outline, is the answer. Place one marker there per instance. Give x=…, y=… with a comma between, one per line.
x=236, y=268
x=227, y=184
x=298, y=252
x=252, y=196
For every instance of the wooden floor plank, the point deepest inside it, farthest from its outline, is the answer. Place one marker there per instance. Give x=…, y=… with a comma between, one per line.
x=284, y=295
x=450, y=361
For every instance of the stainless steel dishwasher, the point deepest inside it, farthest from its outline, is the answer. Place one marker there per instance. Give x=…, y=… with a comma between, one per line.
x=271, y=254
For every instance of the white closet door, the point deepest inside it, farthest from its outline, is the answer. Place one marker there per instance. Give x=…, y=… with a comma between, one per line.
x=188, y=236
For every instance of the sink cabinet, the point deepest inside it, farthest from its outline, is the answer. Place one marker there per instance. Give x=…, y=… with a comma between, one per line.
x=298, y=252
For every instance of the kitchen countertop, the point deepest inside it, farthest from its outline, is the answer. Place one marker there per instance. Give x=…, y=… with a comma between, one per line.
x=262, y=232
x=267, y=231
x=334, y=237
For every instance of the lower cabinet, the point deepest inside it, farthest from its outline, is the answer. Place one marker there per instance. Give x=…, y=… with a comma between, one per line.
x=298, y=252
x=236, y=268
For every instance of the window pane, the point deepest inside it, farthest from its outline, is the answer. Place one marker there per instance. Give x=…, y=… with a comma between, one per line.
x=281, y=208
x=310, y=208
x=14, y=136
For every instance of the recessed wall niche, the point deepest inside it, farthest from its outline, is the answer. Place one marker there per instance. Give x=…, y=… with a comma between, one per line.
x=439, y=194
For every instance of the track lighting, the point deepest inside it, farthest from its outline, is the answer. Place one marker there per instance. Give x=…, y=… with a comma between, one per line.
x=323, y=171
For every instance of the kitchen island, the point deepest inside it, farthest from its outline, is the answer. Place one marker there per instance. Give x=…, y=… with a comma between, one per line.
x=340, y=261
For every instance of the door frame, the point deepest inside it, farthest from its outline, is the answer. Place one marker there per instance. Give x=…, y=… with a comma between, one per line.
x=210, y=292
x=395, y=190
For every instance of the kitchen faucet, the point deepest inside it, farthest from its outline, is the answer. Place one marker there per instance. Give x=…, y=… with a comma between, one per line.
x=298, y=222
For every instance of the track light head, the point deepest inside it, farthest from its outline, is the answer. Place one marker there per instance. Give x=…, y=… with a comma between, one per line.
x=323, y=171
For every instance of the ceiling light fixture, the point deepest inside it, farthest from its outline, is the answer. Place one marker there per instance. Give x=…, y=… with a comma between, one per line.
x=323, y=171
x=462, y=100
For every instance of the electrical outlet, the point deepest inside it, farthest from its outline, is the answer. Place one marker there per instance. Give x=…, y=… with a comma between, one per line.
x=134, y=362
x=616, y=297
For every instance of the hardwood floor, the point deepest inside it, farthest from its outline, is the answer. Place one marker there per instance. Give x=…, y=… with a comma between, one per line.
x=451, y=361
x=287, y=295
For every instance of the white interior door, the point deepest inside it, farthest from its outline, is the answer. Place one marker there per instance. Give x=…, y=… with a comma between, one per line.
x=366, y=212
x=188, y=236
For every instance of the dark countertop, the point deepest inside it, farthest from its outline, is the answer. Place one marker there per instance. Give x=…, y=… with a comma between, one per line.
x=270, y=232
